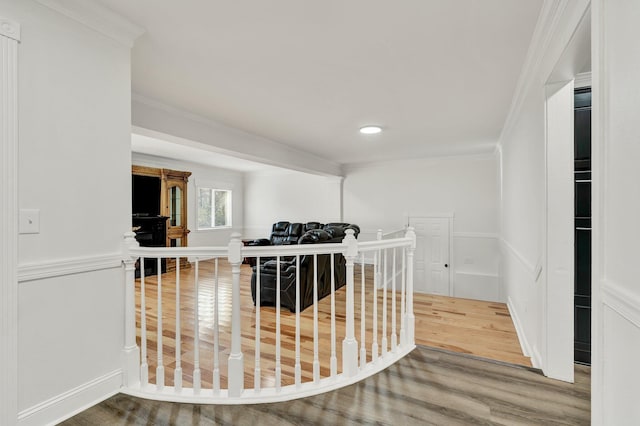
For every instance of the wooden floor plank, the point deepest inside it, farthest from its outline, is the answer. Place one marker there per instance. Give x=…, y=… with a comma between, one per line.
x=427, y=387
x=469, y=326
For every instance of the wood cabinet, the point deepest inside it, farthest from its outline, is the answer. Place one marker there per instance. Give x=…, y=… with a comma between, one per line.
x=173, y=205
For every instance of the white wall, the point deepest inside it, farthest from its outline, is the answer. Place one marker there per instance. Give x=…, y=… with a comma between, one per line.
x=74, y=166
x=271, y=197
x=209, y=177
x=383, y=195
x=616, y=202
x=523, y=179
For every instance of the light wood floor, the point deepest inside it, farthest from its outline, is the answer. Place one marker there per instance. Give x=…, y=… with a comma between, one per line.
x=479, y=328
x=427, y=387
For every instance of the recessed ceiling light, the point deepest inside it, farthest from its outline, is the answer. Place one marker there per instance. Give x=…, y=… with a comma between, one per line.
x=370, y=130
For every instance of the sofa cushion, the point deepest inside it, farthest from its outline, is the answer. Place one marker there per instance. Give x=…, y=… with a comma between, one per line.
x=294, y=232
x=279, y=233
x=280, y=227
x=314, y=236
x=338, y=229
x=312, y=225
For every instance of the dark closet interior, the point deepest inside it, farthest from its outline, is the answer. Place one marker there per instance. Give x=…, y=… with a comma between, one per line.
x=582, y=207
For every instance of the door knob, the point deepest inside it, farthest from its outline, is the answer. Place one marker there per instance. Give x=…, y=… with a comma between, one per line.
x=446, y=265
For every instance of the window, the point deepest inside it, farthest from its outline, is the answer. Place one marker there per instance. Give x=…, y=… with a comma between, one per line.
x=214, y=208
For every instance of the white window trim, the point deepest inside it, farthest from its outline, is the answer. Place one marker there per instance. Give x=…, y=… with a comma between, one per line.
x=216, y=187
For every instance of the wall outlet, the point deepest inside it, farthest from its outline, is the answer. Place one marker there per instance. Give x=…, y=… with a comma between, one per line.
x=29, y=221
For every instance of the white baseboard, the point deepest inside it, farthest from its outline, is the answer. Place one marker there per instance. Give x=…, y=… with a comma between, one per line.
x=72, y=402
x=536, y=361
x=522, y=338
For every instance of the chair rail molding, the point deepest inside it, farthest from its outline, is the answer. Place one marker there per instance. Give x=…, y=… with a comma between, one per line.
x=621, y=300
x=487, y=235
x=523, y=260
x=62, y=267
x=9, y=40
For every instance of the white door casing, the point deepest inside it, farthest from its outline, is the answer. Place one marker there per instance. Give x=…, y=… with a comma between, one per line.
x=432, y=258
x=9, y=41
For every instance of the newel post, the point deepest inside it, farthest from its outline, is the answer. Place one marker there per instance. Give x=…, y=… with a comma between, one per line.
x=350, y=344
x=236, y=363
x=130, y=352
x=410, y=326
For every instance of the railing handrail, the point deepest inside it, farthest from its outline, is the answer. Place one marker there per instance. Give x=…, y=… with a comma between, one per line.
x=401, y=231
x=384, y=244
x=393, y=284
x=293, y=250
x=195, y=252
x=266, y=251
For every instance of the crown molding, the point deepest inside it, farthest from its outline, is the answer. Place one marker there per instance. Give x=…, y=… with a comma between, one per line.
x=10, y=29
x=545, y=29
x=469, y=153
x=98, y=18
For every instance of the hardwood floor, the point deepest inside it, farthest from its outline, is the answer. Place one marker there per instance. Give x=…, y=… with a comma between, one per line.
x=479, y=328
x=427, y=387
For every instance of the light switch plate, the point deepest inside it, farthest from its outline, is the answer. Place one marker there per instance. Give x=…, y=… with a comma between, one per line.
x=29, y=221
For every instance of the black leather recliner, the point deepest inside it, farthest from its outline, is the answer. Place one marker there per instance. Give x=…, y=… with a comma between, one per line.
x=316, y=233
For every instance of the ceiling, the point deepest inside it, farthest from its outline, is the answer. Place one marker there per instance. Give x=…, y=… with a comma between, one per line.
x=437, y=75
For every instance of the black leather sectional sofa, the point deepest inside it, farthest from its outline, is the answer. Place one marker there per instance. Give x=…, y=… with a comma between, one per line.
x=286, y=233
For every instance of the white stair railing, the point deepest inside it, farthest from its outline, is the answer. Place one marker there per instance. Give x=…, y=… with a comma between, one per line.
x=201, y=338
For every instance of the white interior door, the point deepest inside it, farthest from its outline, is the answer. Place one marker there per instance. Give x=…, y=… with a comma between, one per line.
x=432, y=255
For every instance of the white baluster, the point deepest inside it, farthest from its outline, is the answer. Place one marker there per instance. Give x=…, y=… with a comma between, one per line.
x=177, y=372
x=131, y=353
x=403, y=332
x=278, y=370
x=394, y=335
x=216, y=331
x=374, y=343
x=410, y=317
x=144, y=367
x=363, y=318
x=160, y=366
x=379, y=271
x=197, y=382
x=350, y=344
x=316, y=359
x=384, y=306
x=236, y=363
x=298, y=367
x=334, y=359
x=257, y=374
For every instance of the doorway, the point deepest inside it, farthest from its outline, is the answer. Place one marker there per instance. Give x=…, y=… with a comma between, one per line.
x=432, y=257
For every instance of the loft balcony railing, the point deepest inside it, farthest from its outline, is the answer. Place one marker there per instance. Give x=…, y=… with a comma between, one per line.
x=384, y=313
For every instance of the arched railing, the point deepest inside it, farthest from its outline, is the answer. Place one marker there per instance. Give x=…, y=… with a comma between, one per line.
x=264, y=354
